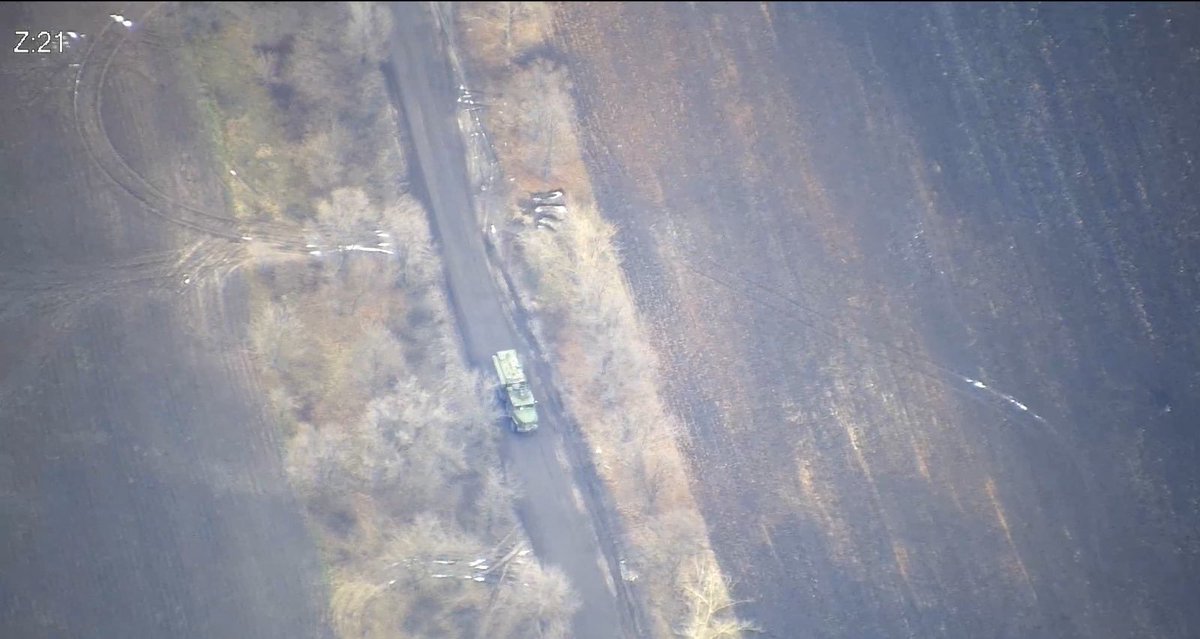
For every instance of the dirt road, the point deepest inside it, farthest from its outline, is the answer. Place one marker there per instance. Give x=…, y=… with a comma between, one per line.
x=924, y=278
x=141, y=489
x=552, y=507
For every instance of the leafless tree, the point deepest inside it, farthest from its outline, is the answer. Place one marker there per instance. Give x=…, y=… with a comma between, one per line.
x=710, y=611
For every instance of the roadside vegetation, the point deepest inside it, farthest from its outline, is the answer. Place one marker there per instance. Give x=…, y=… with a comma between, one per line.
x=390, y=440
x=570, y=277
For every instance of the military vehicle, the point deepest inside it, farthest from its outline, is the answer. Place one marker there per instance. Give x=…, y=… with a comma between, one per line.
x=518, y=399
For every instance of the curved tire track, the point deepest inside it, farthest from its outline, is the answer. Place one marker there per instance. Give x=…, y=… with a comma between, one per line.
x=58, y=297
x=87, y=102
x=60, y=293
x=54, y=291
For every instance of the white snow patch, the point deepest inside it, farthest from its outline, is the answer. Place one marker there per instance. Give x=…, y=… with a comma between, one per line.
x=247, y=238
x=317, y=253
x=1005, y=396
x=365, y=249
x=233, y=173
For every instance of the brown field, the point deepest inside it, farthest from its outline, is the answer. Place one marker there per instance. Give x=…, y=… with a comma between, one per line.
x=833, y=223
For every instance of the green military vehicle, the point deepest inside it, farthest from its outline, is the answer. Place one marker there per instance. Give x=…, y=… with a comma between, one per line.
x=522, y=407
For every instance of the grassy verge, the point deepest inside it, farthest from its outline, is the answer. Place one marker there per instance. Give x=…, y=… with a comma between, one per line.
x=572, y=278
x=390, y=438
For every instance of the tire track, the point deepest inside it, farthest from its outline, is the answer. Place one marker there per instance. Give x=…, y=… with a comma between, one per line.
x=63, y=287
x=58, y=297
x=57, y=294
x=87, y=103
x=229, y=243
x=120, y=420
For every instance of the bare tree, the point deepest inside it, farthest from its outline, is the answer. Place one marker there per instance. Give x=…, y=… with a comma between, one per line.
x=392, y=449
x=710, y=611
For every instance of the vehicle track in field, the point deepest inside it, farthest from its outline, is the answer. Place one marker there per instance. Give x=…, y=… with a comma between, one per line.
x=25, y=290
x=60, y=295
x=137, y=438
x=87, y=104
x=221, y=242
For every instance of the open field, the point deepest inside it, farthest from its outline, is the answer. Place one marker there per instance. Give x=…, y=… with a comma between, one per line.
x=918, y=287
x=923, y=282
x=142, y=492
x=234, y=399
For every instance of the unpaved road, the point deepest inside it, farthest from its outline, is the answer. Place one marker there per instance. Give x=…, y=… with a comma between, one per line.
x=838, y=219
x=556, y=519
x=141, y=489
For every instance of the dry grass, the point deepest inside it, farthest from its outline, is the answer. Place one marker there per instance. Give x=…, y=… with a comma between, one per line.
x=275, y=79
x=572, y=280
x=535, y=143
x=391, y=439
x=497, y=33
